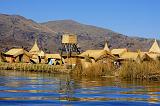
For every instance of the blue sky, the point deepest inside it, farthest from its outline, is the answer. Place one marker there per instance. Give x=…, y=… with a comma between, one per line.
x=129, y=17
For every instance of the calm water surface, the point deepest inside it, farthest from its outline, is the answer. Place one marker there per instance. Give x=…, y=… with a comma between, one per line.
x=38, y=89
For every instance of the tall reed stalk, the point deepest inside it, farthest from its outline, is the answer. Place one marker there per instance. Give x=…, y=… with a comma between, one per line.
x=143, y=71
x=93, y=69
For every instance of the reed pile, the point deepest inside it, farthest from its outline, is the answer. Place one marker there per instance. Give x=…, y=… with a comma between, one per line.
x=33, y=67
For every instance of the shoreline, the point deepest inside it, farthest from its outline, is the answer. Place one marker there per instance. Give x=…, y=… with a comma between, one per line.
x=35, y=68
x=128, y=71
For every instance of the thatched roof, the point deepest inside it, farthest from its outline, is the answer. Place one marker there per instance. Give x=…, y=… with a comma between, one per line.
x=154, y=56
x=130, y=55
x=118, y=51
x=41, y=53
x=69, y=38
x=154, y=48
x=97, y=54
x=15, y=52
x=35, y=48
x=54, y=56
x=106, y=47
x=144, y=56
x=27, y=53
x=136, y=56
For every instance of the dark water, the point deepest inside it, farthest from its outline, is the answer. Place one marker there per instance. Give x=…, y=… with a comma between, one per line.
x=38, y=89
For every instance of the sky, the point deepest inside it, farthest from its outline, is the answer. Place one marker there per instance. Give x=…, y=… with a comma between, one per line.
x=129, y=17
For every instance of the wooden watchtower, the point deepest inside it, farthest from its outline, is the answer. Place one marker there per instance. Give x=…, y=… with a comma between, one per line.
x=69, y=44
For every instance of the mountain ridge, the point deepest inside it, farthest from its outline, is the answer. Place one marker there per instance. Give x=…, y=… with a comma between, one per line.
x=104, y=35
x=17, y=31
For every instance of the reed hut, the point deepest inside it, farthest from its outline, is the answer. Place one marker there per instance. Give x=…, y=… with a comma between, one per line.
x=34, y=52
x=145, y=57
x=154, y=48
x=69, y=39
x=41, y=56
x=98, y=55
x=69, y=45
x=130, y=56
x=35, y=49
x=38, y=55
x=154, y=56
x=54, y=59
x=154, y=51
x=135, y=56
x=17, y=55
x=96, y=60
x=118, y=52
x=106, y=47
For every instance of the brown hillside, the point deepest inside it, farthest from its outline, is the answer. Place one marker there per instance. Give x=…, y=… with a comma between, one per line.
x=17, y=31
x=92, y=37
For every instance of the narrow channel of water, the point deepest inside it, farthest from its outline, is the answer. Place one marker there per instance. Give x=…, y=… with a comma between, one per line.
x=38, y=89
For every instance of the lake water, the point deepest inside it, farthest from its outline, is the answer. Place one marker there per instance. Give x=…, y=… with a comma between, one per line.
x=38, y=89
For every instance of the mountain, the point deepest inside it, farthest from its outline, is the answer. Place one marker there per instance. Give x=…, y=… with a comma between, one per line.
x=92, y=37
x=17, y=31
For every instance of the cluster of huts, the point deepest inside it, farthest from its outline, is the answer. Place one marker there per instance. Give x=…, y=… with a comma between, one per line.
x=117, y=57
x=123, y=54
x=35, y=55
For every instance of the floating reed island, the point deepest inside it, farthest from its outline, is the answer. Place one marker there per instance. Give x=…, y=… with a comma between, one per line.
x=35, y=68
x=119, y=62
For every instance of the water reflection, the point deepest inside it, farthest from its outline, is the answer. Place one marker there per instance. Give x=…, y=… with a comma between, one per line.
x=26, y=88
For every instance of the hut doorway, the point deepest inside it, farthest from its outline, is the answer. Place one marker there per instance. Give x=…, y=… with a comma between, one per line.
x=20, y=57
